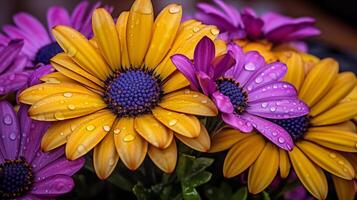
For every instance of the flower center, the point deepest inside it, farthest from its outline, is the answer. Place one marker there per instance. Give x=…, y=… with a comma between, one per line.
x=45, y=54
x=16, y=178
x=236, y=94
x=296, y=127
x=133, y=92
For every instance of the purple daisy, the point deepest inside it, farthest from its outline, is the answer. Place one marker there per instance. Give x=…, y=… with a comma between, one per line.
x=247, y=24
x=245, y=89
x=25, y=171
x=38, y=45
x=12, y=67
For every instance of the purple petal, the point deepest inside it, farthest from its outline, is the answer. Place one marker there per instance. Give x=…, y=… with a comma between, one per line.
x=11, y=82
x=4, y=40
x=60, y=166
x=281, y=108
x=10, y=131
x=204, y=55
x=30, y=197
x=9, y=54
x=274, y=20
x=231, y=11
x=57, y=15
x=253, y=62
x=38, y=73
x=78, y=14
x=53, y=186
x=299, y=46
x=208, y=14
x=271, y=91
x=86, y=23
x=19, y=64
x=185, y=66
x=292, y=32
x=223, y=102
x=222, y=64
x=237, y=122
x=271, y=131
x=270, y=73
x=42, y=159
x=238, y=55
x=252, y=25
x=208, y=86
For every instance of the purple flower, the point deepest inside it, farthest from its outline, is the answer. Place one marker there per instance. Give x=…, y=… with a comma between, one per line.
x=247, y=24
x=245, y=91
x=25, y=171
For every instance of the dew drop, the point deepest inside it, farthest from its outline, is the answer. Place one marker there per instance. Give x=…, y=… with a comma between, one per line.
x=7, y=119
x=53, y=80
x=275, y=133
x=273, y=109
x=259, y=79
x=250, y=66
x=12, y=136
x=106, y=128
x=196, y=29
x=264, y=105
x=215, y=31
x=129, y=138
x=111, y=162
x=173, y=122
x=81, y=148
x=281, y=140
x=90, y=127
x=187, y=91
x=204, y=101
x=332, y=155
x=67, y=94
x=174, y=9
x=341, y=162
x=71, y=107
x=116, y=131
x=195, y=96
x=59, y=116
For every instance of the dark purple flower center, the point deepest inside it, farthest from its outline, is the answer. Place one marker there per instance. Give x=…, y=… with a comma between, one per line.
x=16, y=178
x=296, y=127
x=45, y=54
x=133, y=92
x=236, y=94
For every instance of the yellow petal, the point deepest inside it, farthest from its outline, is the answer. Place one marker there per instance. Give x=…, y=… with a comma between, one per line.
x=201, y=143
x=263, y=49
x=348, y=126
x=329, y=160
x=242, y=155
x=165, y=159
x=56, y=77
x=81, y=51
x=185, y=45
x=66, y=66
x=183, y=124
x=311, y=176
x=264, y=169
x=153, y=131
x=309, y=61
x=107, y=37
x=352, y=158
x=37, y=92
x=284, y=163
x=87, y=135
x=139, y=30
x=225, y=139
x=343, y=85
x=221, y=47
x=175, y=82
x=130, y=146
x=296, y=71
x=66, y=105
x=58, y=133
x=345, y=189
x=190, y=102
x=333, y=139
x=121, y=29
x=105, y=157
x=339, y=113
x=319, y=81
x=164, y=33
x=352, y=95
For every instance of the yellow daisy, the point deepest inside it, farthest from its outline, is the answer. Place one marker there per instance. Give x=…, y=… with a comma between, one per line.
x=120, y=94
x=325, y=138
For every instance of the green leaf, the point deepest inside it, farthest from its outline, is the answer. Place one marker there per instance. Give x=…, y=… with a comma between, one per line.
x=183, y=165
x=265, y=196
x=141, y=192
x=199, y=179
x=189, y=192
x=241, y=194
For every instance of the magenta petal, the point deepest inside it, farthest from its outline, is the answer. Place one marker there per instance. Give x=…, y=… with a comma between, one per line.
x=270, y=73
x=211, y=15
x=38, y=73
x=185, y=66
x=282, y=108
x=19, y=64
x=42, y=159
x=223, y=102
x=272, y=91
x=204, y=55
x=253, y=25
x=237, y=122
x=253, y=62
x=208, y=86
x=9, y=53
x=53, y=186
x=60, y=166
x=78, y=14
x=57, y=15
x=238, y=55
x=10, y=131
x=30, y=197
x=11, y=82
x=271, y=131
x=231, y=11
x=222, y=64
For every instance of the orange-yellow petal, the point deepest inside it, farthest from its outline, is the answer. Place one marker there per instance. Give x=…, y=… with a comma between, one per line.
x=242, y=155
x=225, y=139
x=201, y=143
x=176, y=81
x=309, y=61
x=107, y=37
x=190, y=102
x=87, y=135
x=164, y=33
x=296, y=71
x=284, y=163
x=186, y=125
x=264, y=169
x=345, y=189
x=56, y=77
x=221, y=47
x=139, y=30
x=153, y=131
x=105, y=157
x=121, y=26
x=310, y=175
x=165, y=159
x=131, y=147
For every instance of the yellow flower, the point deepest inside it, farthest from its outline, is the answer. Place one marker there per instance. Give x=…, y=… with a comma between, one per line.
x=120, y=94
x=325, y=139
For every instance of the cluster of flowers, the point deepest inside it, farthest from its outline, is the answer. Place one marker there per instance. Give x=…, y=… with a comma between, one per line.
x=134, y=85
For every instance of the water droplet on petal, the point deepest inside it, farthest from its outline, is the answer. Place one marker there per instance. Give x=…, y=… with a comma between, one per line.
x=273, y=109
x=81, y=149
x=59, y=116
x=116, y=131
x=215, y=31
x=90, y=127
x=12, y=136
x=187, y=91
x=7, y=119
x=67, y=94
x=281, y=140
x=264, y=105
x=174, y=9
x=129, y=138
x=196, y=29
x=259, y=79
x=332, y=155
x=204, y=101
x=195, y=96
x=341, y=162
x=111, y=162
x=173, y=122
x=275, y=133
x=106, y=128
x=53, y=80
x=250, y=66
x=71, y=107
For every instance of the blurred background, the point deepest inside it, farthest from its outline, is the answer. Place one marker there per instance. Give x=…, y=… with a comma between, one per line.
x=336, y=18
